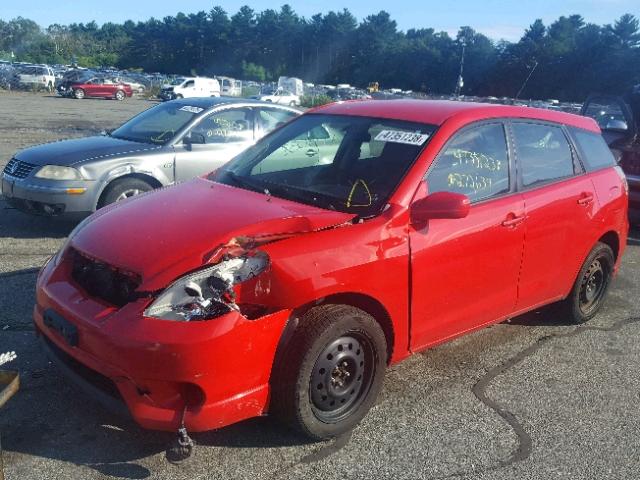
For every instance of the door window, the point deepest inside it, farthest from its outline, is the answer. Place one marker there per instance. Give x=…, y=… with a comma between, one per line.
x=594, y=151
x=543, y=152
x=475, y=163
x=228, y=126
x=189, y=84
x=272, y=118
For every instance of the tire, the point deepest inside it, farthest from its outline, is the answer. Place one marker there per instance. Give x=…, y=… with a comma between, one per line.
x=122, y=189
x=120, y=95
x=179, y=96
x=591, y=285
x=79, y=93
x=292, y=103
x=331, y=371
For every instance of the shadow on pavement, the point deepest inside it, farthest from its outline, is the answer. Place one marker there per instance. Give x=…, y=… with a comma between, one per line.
x=17, y=224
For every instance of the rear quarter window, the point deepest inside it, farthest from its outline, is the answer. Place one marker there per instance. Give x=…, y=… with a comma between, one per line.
x=594, y=151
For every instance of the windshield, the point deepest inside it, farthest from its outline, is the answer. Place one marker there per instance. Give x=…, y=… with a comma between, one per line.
x=158, y=124
x=177, y=81
x=349, y=164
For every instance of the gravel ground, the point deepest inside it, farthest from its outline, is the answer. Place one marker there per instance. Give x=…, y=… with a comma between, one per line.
x=530, y=398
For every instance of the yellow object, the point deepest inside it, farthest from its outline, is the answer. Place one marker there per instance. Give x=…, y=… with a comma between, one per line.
x=373, y=87
x=76, y=191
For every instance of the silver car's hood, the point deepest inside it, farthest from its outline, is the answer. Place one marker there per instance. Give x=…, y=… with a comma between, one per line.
x=81, y=150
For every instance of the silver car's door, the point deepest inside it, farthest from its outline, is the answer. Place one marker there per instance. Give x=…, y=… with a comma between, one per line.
x=215, y=140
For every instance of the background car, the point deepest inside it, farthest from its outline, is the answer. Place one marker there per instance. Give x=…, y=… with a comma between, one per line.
x=168, y=143
x=100, y=87
x=38, y=76
x=282, y=97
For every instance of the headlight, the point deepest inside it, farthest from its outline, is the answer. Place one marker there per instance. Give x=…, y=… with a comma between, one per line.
x=207, y=293
x=57, y=172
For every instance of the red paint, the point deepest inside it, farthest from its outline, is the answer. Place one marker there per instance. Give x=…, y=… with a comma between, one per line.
x=435, y=278
x=103, y=90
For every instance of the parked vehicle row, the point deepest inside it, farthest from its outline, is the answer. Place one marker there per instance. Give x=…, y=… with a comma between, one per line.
x=288, y=279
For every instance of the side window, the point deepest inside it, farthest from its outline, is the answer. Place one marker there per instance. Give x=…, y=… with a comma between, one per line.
x=272, y=118
x=543, y=153
x=594, y=151
x=189, y=84
x=475, y=163
x=228, y=126
x=605, y=111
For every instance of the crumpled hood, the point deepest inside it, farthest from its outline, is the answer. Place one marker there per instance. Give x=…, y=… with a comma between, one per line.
x=166, y=233
x=71, y=152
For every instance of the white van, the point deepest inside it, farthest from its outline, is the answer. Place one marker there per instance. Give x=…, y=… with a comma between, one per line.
x=187, y=87
x=39, y=76
x=230, y=86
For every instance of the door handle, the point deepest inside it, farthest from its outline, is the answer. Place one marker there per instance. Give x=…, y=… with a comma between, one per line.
x=585, y=199
x=311, y=152
x=513, y=221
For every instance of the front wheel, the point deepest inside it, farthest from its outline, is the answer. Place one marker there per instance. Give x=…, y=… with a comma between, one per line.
x=123, y=188
x=120, y=95
x=78, y=93
x=331, y=373
x=591, y=285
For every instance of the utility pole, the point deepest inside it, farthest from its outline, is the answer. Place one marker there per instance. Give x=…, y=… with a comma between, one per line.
x=460, y=82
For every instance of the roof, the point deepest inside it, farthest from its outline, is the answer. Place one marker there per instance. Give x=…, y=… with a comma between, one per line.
x=436, y=112
x=210, y=102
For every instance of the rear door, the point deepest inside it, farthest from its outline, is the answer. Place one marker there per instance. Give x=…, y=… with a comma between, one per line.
x=226, y=133
x=560, y=204
x=464, y=272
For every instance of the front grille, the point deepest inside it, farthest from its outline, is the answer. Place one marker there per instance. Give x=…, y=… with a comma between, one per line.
x=103, y=281
x=18, y=169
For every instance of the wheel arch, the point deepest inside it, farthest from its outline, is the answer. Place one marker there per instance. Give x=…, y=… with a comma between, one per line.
x=151, y=180
x=612, y=239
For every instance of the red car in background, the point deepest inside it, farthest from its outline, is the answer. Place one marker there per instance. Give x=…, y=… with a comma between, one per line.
x=286, y=283
x=98, y=87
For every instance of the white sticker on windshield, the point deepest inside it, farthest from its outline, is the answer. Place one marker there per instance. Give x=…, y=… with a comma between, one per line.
x=398, y=136
x=188, y=108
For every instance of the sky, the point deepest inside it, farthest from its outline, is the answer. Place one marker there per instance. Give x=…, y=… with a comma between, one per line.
x=498, y=19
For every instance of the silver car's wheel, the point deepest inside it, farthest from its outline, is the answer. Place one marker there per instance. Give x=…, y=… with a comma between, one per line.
x=128, y=193
x=122, y=189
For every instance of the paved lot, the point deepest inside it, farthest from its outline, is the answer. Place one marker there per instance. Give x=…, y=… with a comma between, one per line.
x=527, y=399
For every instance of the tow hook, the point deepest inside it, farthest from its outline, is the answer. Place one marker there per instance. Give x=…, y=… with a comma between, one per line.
x=182, y=447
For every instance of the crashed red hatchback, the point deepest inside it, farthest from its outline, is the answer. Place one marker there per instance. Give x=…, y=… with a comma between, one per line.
x=288, y=280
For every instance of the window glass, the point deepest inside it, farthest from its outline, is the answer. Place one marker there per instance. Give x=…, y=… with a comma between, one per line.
x=271, y=118
x=594, y=151
x=228, y=126
x=543, y=152
x=604, y=110
x=188, y=84
x=475, y=163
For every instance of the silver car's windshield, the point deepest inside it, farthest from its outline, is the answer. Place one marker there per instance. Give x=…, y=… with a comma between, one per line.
x=159, y=124
x=349, y=164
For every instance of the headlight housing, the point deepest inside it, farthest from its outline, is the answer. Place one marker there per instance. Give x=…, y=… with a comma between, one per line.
x=207, y=293
x=58, y=172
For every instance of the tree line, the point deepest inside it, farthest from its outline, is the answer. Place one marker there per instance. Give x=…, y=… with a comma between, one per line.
x=566, y=59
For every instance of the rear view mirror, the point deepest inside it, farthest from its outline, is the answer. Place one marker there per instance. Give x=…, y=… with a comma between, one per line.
x=194, y=138
x=617, y=125
x=440, y=205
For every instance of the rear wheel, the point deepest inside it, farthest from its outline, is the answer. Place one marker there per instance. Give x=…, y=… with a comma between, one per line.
x=78, y=93
x=292, y=103
x=120, y=95
x=331, y=373
x=179, y=96
x=591, y=285
x=122, y=189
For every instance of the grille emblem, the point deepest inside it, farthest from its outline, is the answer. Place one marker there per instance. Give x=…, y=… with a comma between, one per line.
x=13, y=168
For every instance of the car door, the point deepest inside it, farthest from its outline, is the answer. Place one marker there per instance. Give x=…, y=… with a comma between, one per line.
x=224, y=134
x=464, y=272
x=560, y=203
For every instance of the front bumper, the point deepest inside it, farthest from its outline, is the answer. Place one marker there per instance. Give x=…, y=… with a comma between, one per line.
x=167, y=95
x=146, y=365
x=50, y=197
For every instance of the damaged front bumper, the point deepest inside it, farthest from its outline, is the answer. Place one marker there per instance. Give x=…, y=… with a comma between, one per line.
x=150, y=368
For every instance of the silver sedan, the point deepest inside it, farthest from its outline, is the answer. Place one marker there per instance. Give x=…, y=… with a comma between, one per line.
x=165, y=144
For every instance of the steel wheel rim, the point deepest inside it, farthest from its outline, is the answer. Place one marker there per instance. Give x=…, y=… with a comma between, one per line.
x=79, y=94
x=341, y=377
x=119, y=95
x=132, y=192
x=593, y=285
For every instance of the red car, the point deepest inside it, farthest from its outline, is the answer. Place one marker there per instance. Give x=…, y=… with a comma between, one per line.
x=348, y=239
x=98, y=87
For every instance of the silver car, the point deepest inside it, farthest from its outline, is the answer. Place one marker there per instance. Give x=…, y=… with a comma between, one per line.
x=165, y=144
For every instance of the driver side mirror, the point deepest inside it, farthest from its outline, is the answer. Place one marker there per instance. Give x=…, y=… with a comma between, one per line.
x=439, y=205
x=194, y=138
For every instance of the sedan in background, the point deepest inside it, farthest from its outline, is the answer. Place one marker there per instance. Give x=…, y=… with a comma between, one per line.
x=167, y=143
x=99, y=87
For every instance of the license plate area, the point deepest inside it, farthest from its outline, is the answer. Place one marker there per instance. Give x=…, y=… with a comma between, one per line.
x=57, y=323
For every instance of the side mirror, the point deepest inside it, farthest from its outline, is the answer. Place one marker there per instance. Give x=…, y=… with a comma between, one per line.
x=194, y=138
x=617, y=125
x=440, y=205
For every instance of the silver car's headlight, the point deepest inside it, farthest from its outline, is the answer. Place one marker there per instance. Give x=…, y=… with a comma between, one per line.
x=207, y=293
x=58, y=172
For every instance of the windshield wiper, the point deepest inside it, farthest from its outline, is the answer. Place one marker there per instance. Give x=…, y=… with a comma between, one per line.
x=244, y=182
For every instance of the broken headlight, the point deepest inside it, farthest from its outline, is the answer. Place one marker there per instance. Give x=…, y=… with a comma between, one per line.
x=207, y=293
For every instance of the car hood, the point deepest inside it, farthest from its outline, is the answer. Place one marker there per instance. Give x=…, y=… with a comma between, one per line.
x=78, y=150
x=163, y=234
